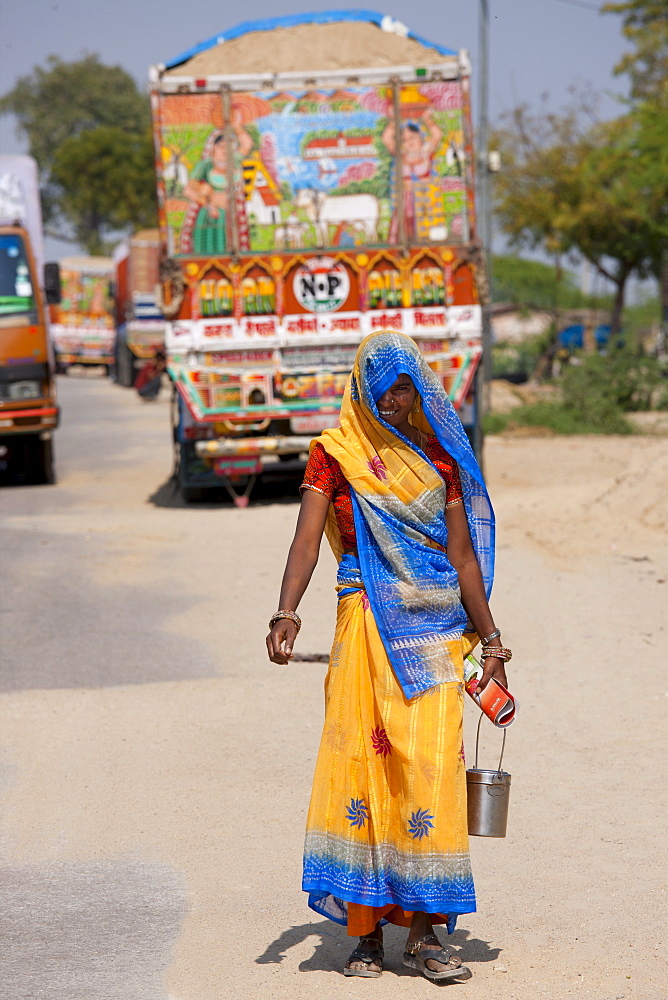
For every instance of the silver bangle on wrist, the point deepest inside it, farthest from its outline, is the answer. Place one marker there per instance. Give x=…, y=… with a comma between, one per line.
x=496, y=634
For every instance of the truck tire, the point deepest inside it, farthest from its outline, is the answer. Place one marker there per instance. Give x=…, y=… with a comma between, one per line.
x=125, y=365
x=39, y=462
x=189, y=494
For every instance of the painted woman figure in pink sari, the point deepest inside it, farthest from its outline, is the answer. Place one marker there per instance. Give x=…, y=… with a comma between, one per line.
x=419, y=142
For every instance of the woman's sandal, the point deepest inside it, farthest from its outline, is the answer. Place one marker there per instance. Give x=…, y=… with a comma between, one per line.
x=370, y=952
x=416, y=957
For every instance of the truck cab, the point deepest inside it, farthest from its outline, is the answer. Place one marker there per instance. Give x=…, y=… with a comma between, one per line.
x=28, y=409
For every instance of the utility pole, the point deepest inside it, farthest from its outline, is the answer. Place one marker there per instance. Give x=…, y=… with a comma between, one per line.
x=484, y=230
x=484, y=198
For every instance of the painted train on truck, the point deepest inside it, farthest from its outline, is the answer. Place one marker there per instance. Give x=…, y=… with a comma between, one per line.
x=301, y=209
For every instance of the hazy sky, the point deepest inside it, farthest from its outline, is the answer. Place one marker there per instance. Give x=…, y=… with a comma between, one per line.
x=537, y=46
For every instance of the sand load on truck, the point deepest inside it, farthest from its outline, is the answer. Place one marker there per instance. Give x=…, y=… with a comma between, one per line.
x=300, y=45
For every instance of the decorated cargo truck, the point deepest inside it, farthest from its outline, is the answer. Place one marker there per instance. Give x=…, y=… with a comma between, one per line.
x=315, y=183
x=82, y=323
x=140, y=327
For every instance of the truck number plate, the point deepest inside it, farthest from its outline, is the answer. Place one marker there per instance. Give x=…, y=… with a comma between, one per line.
x=313, y=424
x=237, y=467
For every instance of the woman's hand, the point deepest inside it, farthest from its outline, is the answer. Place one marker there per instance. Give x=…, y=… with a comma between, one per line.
x=219, y=199
x=302, y=559
x=198, y=191
x=280, y=641
x=492, y=667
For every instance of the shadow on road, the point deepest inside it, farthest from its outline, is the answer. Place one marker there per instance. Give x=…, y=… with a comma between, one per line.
x=326, y=956
x=265, y=492
x=13, y=478
x=333, y=946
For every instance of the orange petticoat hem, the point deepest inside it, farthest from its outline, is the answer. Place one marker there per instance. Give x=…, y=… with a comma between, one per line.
x=363, y=919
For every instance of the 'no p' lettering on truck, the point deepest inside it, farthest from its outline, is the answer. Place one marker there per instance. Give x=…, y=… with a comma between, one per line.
x=315, y=183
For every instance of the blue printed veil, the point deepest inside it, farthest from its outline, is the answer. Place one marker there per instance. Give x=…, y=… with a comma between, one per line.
x=398, y=500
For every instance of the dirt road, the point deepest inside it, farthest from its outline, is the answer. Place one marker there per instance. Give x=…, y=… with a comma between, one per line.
x=155, y=768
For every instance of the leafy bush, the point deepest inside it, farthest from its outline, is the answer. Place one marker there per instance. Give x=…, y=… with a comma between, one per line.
x=516, y=362
x=596, y=391
x=639, y=319
x=624, y=379
x=495, y=423
x=558, y=418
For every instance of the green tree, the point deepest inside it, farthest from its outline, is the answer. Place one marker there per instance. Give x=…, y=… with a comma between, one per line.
x=573, y=186
x=105, y=183
x=64, y=99
x=70, y=110
x=645, y=26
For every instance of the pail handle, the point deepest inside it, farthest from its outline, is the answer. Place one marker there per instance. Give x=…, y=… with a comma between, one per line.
x=477, y=741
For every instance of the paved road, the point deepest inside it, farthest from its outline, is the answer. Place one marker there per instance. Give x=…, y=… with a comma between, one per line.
x=127, y=621
x=155, y=770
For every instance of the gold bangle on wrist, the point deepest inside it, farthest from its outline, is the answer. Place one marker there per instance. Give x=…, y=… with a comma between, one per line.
x=500, y=652
x=290, y=615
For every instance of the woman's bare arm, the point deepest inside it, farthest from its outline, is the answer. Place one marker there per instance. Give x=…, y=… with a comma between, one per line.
x=302, y=560
x=388, y=138
x=474, y=599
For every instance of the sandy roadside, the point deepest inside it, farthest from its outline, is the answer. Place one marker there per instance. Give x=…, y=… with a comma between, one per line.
x=201, y=784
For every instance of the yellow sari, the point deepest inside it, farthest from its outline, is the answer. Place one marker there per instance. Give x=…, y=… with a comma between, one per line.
x=386, y=828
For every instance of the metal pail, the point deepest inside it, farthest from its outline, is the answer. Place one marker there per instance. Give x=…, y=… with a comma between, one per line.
x=487, y=795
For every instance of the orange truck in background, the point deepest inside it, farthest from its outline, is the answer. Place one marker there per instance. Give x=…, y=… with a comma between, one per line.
x=28, y=409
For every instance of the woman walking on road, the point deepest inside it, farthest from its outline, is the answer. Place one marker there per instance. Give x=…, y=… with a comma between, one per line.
x=400, y=496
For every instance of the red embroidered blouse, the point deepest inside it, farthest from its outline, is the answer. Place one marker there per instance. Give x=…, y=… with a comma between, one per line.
x=323, y=475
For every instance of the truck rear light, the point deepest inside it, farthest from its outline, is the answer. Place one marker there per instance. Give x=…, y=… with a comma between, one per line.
x=200, y=84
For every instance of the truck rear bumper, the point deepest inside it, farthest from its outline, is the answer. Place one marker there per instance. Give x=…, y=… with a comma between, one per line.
x=236, y=460
x=252, y=447
x=84, y=359
x=29, y=421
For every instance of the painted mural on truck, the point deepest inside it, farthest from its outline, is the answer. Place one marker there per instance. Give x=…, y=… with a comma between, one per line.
x=311, y=169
